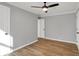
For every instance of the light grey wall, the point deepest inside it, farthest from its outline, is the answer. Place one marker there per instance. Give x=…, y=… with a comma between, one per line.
x=23, y=26
x=61, y=27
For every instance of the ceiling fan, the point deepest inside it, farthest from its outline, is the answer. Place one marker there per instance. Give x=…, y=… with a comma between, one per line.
x=45, y=7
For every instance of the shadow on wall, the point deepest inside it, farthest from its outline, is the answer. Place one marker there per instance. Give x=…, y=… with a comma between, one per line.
x=6, y=43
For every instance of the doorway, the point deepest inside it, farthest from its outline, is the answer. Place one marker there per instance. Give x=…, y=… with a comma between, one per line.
x=41, y=28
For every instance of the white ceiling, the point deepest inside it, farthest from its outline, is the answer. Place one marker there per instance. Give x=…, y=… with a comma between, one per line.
x=64, y=7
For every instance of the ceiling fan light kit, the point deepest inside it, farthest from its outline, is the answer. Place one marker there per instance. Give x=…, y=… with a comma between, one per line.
x=45, y=7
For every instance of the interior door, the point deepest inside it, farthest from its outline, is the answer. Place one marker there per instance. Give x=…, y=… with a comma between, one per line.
x=77, y=34
x=5, y=37
x=41, y=28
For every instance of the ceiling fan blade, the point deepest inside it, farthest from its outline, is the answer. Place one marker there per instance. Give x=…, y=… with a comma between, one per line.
x=53, y=5
x=36, y=6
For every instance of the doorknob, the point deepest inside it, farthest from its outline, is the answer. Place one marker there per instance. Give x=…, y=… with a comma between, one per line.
x=6, y=33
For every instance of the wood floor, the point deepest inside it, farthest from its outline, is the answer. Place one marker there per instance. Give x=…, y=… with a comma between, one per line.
x=44, y=47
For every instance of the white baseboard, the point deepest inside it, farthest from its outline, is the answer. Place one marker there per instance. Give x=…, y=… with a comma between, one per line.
x=61, y=40
x=49, y=39
x=64, y=41
x=25, y=45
